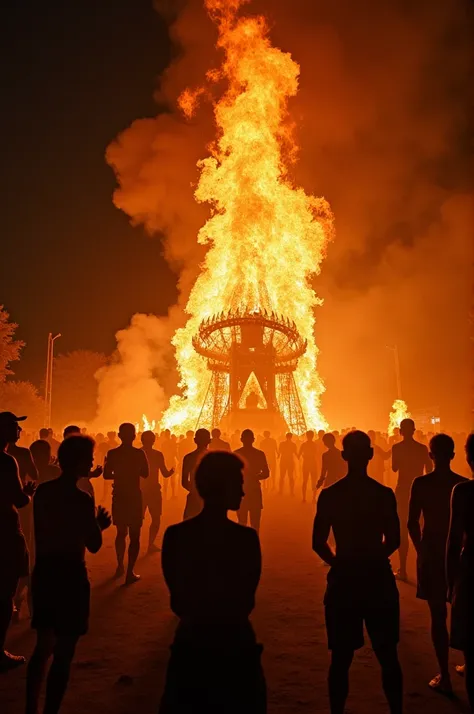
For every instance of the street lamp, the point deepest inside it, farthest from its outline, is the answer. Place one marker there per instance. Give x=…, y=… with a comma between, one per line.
x=48, y=390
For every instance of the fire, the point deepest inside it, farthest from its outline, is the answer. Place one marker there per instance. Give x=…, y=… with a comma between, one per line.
x=146, y=424
x=398, y=413
x=266, y=236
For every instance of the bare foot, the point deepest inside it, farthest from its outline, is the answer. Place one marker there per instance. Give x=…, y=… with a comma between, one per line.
x=132, y=578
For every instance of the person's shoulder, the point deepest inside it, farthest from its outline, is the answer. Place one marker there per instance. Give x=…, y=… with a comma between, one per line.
x=7, y=460
x=465, y=488
x=111, y=452
x=421, y=447
x=422, y=482
x=45, y=489
x=397, y=446
x=458, y=479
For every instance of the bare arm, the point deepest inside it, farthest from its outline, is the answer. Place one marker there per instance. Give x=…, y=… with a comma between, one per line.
x=186, y=475
x=395, y=462
x=144, y=468
x=428, y=463
x=324, y=472
x=93, y=534
x=455, y=538
x=166, y=473
x=264, y=471
x=108, y=472
x=414, y=515
x=392, y=525
x=19, y=498
x=321, y=529
x=31, y=469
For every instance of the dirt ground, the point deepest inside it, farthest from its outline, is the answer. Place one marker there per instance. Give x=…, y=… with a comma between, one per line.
x=120, y=665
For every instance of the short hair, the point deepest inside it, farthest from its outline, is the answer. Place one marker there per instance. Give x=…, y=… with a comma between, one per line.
x=442, y=445
x=310, y=433
x=214, y=472
x=127, y=428
x=247, y=435
x=329, y=439
x=470, y=448
x=148, y=437
x=40, y=449
x=70, y=430
x=74, y=451
x=356, y=441
x=215, y=433
x=407, y=423
x=44, y=433
x=202, y=436
x=289, y=434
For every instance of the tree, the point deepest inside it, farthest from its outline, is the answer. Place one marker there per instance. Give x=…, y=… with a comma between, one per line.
x=75, y=387
x=22, y=398
x=9, y=348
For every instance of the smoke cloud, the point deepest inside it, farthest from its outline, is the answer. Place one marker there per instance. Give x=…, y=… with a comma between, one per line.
x=382, y=120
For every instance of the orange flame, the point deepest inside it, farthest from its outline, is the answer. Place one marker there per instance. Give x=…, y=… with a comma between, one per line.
x=266, y=237
x=146, y=424
x=397, y=415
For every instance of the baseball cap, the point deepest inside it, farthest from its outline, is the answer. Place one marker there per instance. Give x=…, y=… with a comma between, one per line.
x=9, y=417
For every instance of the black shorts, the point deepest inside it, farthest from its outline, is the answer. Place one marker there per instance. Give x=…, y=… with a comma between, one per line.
x=61, y=599
x=351, y=603
x=153, y=501
x=127, y=513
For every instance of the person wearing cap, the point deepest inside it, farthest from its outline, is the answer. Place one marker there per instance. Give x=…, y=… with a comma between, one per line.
x=202, y=439
x=14, y=560
x=256, y=470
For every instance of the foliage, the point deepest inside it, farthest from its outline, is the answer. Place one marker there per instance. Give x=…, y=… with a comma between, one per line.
x=74, y=394
x=22, y=398
x=9, y=348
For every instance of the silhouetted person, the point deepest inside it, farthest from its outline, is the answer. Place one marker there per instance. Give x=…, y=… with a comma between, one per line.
x=84, y=483
x=270, y=449
x=216, y=443
x=288, y=452
x=256, y=470
x=377, y=465
x=151, y=488
x=41, y=454
x=54, y=443
x=460, y=571
x=193, y=506
x=410, y=459
x=212, y=568
x=125, y=466
x=309, y=453
x=43, y=434
x=431, y=500
x=333, y=466
x=14, y=561
x=66, y=525
x=361, y=586
x=169, y=447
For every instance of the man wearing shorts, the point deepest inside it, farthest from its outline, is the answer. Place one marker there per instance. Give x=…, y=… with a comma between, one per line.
x=125, y=466
x=361, y=587
x=431, y=500
x=151, y=490
x=66, y=525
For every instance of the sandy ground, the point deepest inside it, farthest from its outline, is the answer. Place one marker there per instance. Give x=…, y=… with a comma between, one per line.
x=120, y=665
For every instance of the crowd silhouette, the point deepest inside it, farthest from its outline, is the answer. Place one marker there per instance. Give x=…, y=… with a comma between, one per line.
x=375, y=495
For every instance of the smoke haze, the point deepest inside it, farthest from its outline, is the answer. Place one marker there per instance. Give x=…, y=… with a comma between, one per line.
x=382, y=120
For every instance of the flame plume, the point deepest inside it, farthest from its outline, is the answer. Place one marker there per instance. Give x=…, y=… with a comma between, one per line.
x=397, y=415
x=266, y=237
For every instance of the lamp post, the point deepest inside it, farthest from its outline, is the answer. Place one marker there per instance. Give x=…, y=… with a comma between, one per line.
x=48, y=390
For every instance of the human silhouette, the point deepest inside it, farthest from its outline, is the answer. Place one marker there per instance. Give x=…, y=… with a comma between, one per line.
x=84, y=483
x=361, y=587
x=309, y=453
x=288, y=452
x=212, y=568
x=66, y=524
x=269, y=447
x=377, y=465
x=151, y=488
x=125, y=466
x=41, y=454
x=169, y=447
x=256, y=470
x=333, y=466
x=460, y=571
x=54, y=443
x=430, y=500
x=14, y=561
x=410, y=459
x=216, y=443
x=193, y=506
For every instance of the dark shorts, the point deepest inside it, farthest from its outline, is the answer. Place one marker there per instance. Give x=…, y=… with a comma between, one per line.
x=153, y=501
x=127, y=513
x=61, y=599
x=14, y=563
x=352, y=602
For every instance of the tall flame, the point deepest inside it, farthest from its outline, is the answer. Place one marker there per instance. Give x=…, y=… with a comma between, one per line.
x=266, y=237
x=397, y=415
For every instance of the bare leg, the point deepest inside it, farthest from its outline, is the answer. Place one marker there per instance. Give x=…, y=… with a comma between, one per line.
x=58, y=676
x=133, y=552
x=440, y=638
x=37, y=668
x=392, y=678
x=120, y=547
x=338, y=679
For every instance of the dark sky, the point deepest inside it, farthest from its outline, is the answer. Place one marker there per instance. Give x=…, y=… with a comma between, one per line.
x=73, y=76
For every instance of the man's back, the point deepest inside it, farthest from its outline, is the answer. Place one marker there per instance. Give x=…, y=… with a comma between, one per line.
x=361, y=513
x=431, y=495
x=218, y=444
x=333, y=466
x=126, y=465
x=212, y=570
x=256, y=468
x=23, y=457
x=287, y=451
x=64, y=516
x=269, y=448
x=309, y=452
x=156, y=464
x=410, y=459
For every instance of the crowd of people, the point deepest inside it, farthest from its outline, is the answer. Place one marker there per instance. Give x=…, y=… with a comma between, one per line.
x=375, y=494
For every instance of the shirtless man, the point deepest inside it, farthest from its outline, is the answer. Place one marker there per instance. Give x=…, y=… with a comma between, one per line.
x=66, y=524
x=193, y=506
x=309, y=453
x=333, y=466
x=125, y=466
x=430, y=500
x=218, y=444
x=410, y=459
x=288, y=452
x=256, y=470
x=270, y=448
x=361, y=586
x=151, y=489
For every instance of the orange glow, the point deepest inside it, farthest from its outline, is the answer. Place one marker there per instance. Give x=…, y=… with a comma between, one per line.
x=398, y=413
x=266, y=236
x=146, y=424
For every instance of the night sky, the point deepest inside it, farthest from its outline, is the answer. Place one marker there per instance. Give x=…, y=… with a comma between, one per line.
x=74, y=76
